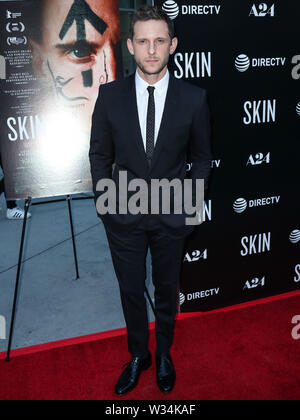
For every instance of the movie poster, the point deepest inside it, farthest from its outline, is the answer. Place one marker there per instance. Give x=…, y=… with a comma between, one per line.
x=57, y=54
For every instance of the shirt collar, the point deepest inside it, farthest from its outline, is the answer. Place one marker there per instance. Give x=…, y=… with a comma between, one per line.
x=160, y=87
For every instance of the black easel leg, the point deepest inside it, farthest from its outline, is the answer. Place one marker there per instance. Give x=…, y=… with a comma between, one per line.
x=12, y=323
x=73, y=236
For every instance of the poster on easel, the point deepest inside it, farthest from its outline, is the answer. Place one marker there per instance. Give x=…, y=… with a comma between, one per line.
x=57, y=55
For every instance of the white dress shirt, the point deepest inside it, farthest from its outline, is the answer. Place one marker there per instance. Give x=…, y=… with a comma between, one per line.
x=142, y=96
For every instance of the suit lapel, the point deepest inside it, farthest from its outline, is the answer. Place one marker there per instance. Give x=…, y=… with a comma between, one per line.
x=133, y=114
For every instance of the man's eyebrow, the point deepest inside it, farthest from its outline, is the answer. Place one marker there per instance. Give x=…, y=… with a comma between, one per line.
x=144, y=37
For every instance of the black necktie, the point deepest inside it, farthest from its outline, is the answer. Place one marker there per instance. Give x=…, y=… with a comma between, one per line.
x=150, y=125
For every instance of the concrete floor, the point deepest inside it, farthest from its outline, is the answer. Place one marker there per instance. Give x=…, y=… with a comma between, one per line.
x=52, y=304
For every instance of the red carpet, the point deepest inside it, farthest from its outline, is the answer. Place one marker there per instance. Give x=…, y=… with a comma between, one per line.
x=240, y=354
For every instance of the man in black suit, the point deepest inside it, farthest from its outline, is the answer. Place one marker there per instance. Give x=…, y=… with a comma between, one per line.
x=149, y=125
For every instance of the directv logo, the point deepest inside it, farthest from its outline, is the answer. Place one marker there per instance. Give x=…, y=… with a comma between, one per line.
x=298, y=108
x=240, y=205
x=242, y=63
x=295, y=236
x=181, y=299
x=171, y=9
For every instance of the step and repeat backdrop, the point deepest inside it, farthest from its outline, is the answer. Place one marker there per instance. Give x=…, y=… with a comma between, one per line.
x=247, y=55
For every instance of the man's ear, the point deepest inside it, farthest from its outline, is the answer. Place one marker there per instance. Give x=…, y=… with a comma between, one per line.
x=37, y=57
x=130, y=46
x=174, y=45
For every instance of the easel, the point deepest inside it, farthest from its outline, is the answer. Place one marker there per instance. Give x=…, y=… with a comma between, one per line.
x=28, y=203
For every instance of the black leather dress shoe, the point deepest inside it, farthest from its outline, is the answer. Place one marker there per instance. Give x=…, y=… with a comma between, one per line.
x=129, y=378
x=165, y=373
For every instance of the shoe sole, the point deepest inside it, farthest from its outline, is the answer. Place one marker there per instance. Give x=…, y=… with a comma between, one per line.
x=166, y=391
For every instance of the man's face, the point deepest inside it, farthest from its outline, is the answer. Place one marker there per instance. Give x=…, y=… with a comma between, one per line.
x=76, y=54
x=152, y=46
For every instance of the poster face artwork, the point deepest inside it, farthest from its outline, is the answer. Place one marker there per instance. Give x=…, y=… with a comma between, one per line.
x=58, y=53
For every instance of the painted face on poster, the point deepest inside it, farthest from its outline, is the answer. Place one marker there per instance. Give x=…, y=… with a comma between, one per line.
x=75, y=54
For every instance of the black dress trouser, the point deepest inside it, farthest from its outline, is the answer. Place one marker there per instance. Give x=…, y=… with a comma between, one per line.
x=129, y=253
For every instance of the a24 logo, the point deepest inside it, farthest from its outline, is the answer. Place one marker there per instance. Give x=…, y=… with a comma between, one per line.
x=258, y=159
x=256, y=282
x=195, y=256
x=262, y=10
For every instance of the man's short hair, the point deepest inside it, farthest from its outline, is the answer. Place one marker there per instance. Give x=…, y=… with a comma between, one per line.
x=146, y=13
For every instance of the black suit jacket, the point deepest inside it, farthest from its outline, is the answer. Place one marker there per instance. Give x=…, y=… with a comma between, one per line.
x=116, y=138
